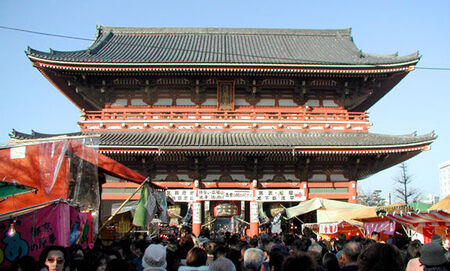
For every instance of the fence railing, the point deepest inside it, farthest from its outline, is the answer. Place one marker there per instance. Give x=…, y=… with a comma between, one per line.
x=209, y=118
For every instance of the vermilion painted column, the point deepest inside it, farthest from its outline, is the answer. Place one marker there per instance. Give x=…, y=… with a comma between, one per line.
x=196, y=212
x=352, y=194
x=254, y=212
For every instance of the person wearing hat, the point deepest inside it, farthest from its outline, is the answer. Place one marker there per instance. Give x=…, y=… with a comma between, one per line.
x=436, y=238
x=432, y=257
x=154, y=258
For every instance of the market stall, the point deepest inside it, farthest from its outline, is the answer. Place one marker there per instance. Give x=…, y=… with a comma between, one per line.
x=62, y=175
x=423, y=224
x=28, y=231
x=332, y=230
x=326, y=209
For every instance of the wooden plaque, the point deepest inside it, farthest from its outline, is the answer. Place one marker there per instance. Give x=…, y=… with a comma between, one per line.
x=225, y=95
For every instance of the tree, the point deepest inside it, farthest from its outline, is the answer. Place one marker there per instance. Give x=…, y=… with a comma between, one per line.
x=403, y=190
x=372, y=198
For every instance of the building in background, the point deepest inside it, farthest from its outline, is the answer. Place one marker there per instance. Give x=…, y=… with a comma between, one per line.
x=444, y=178
x=234, y=122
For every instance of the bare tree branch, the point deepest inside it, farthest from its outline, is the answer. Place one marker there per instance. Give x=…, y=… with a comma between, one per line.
x=403, y=190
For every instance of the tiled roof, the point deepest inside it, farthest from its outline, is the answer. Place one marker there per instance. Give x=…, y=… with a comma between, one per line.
x=254, y=140
x=233, y=46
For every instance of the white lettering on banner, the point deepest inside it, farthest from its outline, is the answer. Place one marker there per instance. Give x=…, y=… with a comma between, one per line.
x=196, y=213
x=262, y=195
x=328, y=228
x=254, y=214
x=182, y=195
x=18, y=152
x=272, y=195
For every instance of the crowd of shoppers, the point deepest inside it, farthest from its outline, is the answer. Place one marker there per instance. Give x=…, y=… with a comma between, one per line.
x=233, y=252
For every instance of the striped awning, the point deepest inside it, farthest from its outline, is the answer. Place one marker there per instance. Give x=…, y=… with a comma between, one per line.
x=422, y=219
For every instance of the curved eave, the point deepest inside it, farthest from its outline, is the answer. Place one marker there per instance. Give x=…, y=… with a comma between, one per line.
x=223, y=67
x=304, y=150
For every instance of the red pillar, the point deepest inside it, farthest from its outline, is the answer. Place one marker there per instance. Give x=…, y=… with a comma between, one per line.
x=254, y=212
x=196, y=212
x=352, y=194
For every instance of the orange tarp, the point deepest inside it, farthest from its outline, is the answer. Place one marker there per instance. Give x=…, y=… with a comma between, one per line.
x=104, y=162
x=27, y=166
x=45, y=166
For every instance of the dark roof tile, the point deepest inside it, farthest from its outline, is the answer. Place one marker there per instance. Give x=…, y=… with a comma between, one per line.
x=261, y=140
x=223, y=46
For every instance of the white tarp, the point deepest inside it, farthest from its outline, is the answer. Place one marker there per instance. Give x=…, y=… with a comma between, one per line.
x=326, y=209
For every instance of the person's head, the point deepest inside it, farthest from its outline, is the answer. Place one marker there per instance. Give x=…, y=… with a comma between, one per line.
x=375, y=236
x=210, y=247
x=342, y=237
x=101, y=263
x=350, y=252
x=186, y=241
x=330, y=262
x=205, y=232
x=298, y=261
x=138, y=247
x=414, y=249
x=432, y=255
x=154, y=258
x=196, y=257
x=253, y=258
x=436, y=238
x=276, y=258
x=380, y=257
x=54, y=258
x=222, y=264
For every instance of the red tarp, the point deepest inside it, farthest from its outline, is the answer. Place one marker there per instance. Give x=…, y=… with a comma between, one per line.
x=45, y=166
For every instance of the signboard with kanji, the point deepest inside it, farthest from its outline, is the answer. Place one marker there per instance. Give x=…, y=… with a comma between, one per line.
x=328, y=228
x=280, y=195
x=262, y=195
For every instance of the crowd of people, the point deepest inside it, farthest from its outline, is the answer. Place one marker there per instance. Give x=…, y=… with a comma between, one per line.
x=233, y=252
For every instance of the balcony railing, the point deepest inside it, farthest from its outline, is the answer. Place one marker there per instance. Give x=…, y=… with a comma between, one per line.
x=209, y=118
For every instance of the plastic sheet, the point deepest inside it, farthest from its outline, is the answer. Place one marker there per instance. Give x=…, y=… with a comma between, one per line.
x=83, y=175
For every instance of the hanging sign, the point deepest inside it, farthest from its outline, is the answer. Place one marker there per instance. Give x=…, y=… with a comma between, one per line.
x=196, y=213
x=328, y=228
x=182, y=195
x=280, y=195
x=262, y=195
x=254, y=212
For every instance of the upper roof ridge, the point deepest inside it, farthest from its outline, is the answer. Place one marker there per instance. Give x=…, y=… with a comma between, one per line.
x=224, y=30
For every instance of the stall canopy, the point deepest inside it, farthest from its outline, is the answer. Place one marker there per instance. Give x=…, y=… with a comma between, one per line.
x=355, y=215
x=419, y=206
x=326, y=209
x=58, y=169
x=422, y=219
x=436, y=215
x=442, y=205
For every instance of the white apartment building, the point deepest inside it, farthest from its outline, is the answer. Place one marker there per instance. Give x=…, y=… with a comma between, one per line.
x=444, y=178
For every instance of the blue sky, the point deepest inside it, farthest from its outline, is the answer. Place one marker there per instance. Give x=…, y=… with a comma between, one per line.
x=419, y=103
